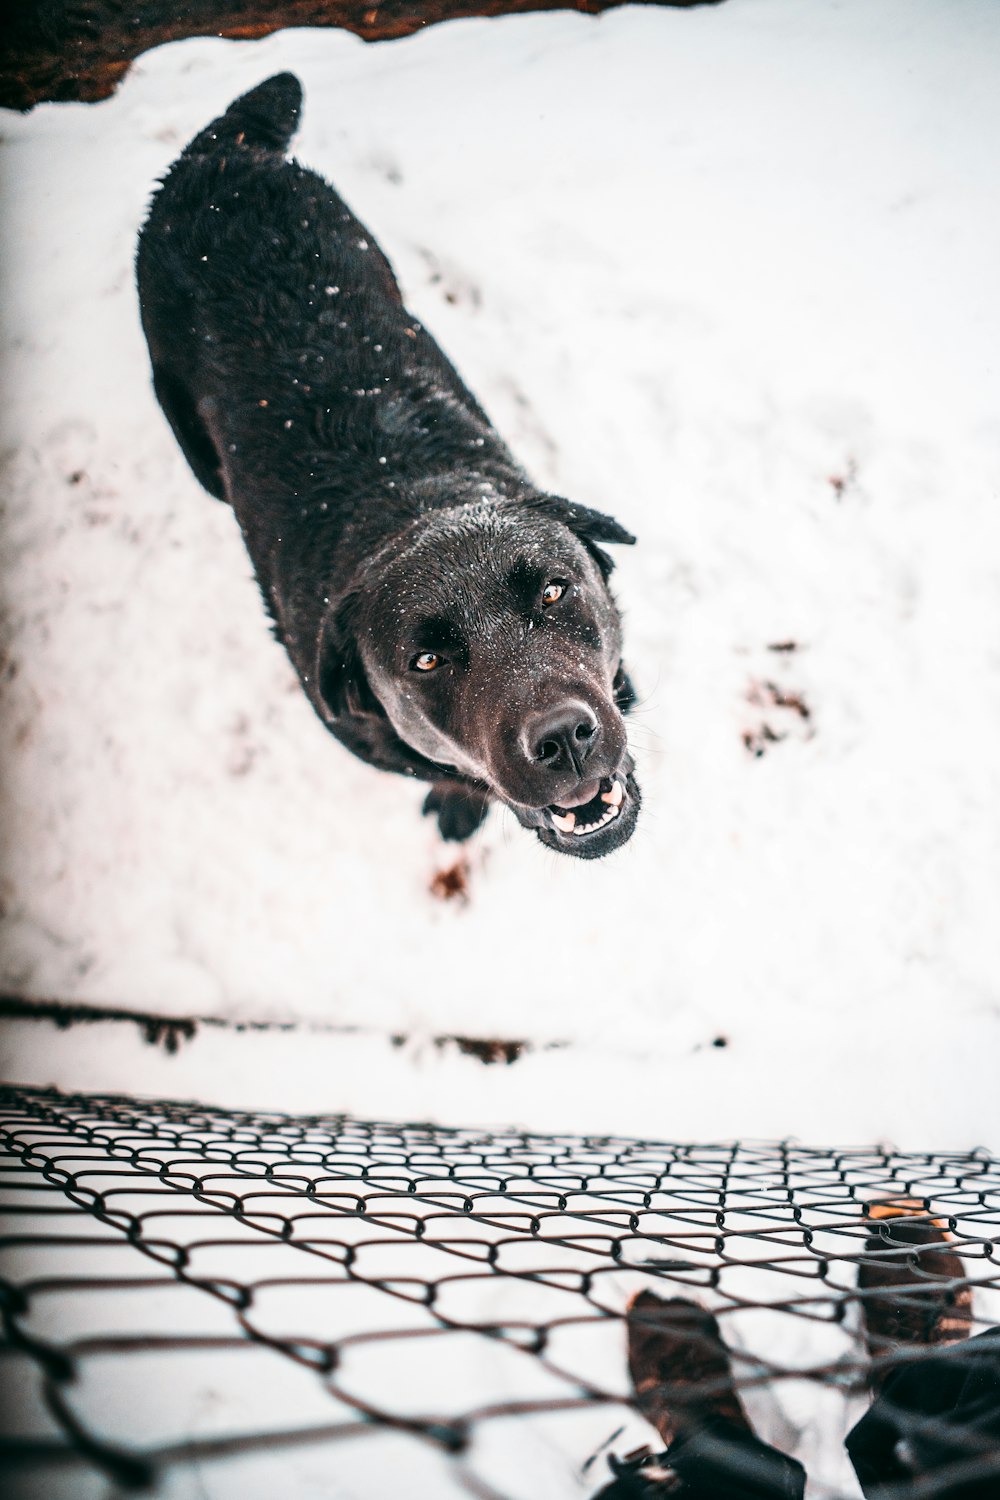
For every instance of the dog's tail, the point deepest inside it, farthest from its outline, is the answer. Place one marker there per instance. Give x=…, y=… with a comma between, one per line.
x=266, y=118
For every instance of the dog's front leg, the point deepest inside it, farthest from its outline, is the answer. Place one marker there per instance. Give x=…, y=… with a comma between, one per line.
x=460, y=806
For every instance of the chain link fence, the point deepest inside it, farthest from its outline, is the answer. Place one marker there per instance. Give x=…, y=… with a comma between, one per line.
x=213, y=1303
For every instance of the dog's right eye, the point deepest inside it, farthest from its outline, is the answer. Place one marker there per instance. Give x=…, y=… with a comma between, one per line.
x=427, y=661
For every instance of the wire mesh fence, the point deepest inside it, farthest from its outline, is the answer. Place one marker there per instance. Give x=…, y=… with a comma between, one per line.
x=210, y=1303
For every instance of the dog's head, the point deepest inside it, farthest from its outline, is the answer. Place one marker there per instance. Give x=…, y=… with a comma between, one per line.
x=488, y=637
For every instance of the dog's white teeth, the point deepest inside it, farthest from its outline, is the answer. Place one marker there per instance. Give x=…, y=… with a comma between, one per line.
x=608, y=817
x=567, y=822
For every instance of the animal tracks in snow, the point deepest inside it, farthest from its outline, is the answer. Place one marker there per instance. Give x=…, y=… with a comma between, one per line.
x=778, y=713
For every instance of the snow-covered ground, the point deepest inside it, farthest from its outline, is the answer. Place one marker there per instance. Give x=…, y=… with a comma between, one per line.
x=729, y=273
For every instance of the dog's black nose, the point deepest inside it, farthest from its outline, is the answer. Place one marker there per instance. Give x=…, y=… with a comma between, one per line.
x=563, y=739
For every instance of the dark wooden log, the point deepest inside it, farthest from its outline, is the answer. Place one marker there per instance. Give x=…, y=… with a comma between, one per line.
x=81, y=49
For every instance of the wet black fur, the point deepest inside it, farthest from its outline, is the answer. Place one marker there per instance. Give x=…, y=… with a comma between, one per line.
x=302, y=392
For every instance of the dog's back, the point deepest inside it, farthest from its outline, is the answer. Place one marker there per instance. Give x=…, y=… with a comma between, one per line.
x=294, y=379
x=237, y=250
x=266, y=302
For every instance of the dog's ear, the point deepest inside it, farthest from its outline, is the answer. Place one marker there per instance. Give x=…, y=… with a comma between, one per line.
x=341, y=684
x=591, y=526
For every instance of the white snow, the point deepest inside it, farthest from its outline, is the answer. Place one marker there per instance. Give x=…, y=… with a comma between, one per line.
x=728, y=273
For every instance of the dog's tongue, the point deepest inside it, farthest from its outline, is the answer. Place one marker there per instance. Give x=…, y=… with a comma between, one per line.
x=585, y=792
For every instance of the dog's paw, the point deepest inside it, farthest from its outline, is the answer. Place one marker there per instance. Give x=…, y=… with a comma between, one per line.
x=460, y=810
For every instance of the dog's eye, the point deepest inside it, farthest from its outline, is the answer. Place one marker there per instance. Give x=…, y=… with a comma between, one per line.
x=553, y=592
x=427, y=661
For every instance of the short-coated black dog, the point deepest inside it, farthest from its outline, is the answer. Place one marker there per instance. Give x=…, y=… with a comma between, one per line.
x=447, y=619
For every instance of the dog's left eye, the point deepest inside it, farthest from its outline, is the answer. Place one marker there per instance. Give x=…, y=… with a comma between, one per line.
x=427, y=661
x=553, y=592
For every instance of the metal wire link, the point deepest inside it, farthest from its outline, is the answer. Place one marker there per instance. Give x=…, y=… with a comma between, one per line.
x=191, y=1295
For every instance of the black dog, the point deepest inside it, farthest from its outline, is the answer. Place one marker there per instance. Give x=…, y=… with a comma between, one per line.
x=447, y=619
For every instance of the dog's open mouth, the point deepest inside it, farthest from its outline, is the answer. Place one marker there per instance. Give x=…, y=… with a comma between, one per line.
x=588, y=818
x=596, y=824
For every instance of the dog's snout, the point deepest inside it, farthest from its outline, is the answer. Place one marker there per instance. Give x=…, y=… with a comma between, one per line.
x=563, y=739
